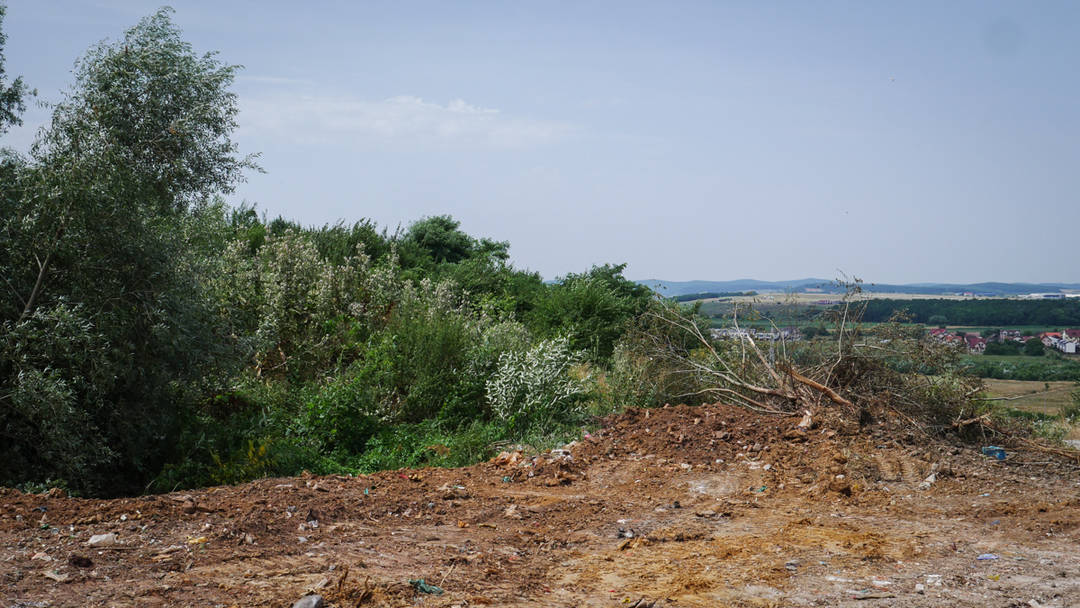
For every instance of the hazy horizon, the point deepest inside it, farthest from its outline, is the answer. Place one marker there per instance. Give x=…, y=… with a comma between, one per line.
x=898, y=143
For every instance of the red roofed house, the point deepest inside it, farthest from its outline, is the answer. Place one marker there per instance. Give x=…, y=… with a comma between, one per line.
x=976, y=344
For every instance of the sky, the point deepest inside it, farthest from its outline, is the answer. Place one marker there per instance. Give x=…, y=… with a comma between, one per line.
x=895, y=142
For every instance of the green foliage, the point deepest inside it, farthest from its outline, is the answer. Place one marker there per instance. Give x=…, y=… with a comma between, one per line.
x=1002, y=348
x=440, y=240
x=982, y=312
x=111, y=333
x=1034, y=348
x=1047, y=368
x=12, y=96
x=1071, y=412
x=430, y=443
x=594, y=309
x=537, y=387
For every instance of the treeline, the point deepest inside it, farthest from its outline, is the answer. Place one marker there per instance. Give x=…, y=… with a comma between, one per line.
x=1040, y=369
x=153, y=338
x=706, y=295
x=992, y=312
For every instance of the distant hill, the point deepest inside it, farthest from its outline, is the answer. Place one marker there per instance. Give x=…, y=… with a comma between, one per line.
x=679, y=288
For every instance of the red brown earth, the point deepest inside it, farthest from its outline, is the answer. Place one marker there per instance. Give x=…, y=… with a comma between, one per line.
x=682, y=506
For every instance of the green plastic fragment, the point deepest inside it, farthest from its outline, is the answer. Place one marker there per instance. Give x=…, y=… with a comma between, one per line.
x=423, y=587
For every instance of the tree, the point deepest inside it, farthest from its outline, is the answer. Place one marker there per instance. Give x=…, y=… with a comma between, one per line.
x=938, y=320
x=1034, y=348
x=592, y=308
x=441, y=238
x=12, y=96
x=110, y=333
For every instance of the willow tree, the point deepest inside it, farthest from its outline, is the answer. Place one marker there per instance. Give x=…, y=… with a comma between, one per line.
x=105, y=333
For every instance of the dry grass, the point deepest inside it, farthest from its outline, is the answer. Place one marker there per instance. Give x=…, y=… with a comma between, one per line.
x=1031, y=395
x=1034, y=396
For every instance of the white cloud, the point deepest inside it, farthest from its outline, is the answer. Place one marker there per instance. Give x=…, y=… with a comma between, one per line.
x=403, y=118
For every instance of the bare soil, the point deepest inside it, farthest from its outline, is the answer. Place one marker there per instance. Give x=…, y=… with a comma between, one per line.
x=682, y=506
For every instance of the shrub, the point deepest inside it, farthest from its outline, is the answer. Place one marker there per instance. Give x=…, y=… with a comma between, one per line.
x=536, y=388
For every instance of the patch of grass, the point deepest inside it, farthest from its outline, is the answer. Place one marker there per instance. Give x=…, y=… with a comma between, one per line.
x=1049, y=398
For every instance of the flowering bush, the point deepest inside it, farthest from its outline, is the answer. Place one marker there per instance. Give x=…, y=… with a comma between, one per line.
x=536, y=386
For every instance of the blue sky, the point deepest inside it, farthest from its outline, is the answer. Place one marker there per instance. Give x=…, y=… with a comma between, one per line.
x=895, y=142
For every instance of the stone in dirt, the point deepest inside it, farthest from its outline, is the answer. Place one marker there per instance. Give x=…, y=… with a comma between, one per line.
x=102, y=540
x=310, y=601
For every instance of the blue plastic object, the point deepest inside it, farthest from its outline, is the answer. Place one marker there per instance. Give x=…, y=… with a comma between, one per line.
x=995, y=451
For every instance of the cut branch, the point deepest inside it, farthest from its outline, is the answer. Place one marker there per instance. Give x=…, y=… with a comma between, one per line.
x=830, y=393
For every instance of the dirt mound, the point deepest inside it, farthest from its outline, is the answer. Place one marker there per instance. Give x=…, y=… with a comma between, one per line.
x=680, y=506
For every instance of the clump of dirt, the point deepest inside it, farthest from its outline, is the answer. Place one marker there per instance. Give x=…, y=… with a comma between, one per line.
x=680, y=506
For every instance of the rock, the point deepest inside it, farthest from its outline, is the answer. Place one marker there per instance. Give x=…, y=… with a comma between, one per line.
x=102, y=540
x=310, y=601
x=453, y=492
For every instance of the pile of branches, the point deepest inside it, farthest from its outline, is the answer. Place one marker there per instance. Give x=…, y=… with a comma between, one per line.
x=856, y=373
x=859, y=373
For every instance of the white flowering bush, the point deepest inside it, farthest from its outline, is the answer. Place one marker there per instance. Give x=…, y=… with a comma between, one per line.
x=536, y=386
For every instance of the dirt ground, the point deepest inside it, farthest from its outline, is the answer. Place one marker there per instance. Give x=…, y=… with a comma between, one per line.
x=682, y=506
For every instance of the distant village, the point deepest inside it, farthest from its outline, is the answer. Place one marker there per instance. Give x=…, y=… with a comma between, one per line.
x=1067, y=340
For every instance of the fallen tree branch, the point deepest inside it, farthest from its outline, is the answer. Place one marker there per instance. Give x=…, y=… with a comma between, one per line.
x=830, y=393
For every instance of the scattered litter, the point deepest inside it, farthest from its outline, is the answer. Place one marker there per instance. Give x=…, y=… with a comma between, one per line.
x=986, y=556
x=994, y=452
x=56, y=576
x=102, y=540
x=920, y=588
x=934, y=579
x=198, y=540
x=929, y=481
x=310, y=601
x=423, y=587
